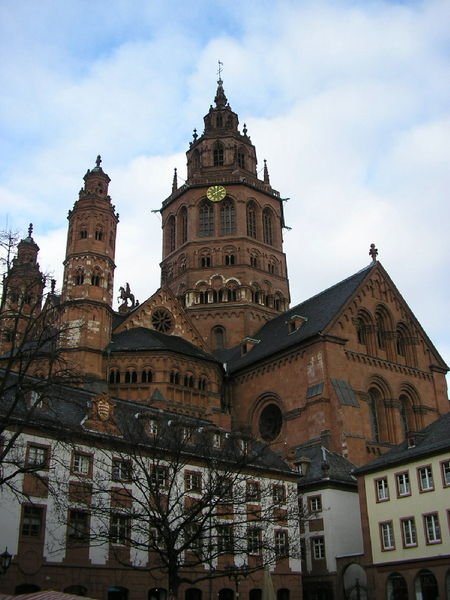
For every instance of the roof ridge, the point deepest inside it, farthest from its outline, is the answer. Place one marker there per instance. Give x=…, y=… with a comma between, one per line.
x=335, y=285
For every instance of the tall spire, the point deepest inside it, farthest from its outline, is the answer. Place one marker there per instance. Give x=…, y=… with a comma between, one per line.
x=220, y=99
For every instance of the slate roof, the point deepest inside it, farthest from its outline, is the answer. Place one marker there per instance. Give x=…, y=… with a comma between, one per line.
x=326, y=468
x=141, y=339
x=434, y=439
x=66, y=408
x=319, y=311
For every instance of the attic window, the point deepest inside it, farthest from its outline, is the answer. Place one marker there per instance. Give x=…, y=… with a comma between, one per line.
x=314, y=390
x=247, y=344
x=295, y=322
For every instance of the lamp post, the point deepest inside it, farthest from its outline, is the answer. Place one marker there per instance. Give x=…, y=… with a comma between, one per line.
x=5, y=561
x=235, y=572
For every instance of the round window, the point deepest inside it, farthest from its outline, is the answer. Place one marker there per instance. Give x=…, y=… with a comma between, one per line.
x=162, y=320
x=270, y=422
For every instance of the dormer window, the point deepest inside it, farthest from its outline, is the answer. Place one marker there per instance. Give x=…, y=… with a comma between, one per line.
x=295, y=322
x=247, y=344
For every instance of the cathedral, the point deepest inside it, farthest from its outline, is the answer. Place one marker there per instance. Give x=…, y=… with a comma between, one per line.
x=349, y=370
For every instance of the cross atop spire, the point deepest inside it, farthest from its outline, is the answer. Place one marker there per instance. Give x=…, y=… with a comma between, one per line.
x=219, y=70
x=373, y=252
x=220, y=99
x=30, y=230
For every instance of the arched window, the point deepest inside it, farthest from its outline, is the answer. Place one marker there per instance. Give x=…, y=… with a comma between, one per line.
x=218, y=337
x=205, y=260
x=79, y=277
x=114, y=376
x=83, y=232
x=241, y=158
x=171, y=234
x=219, y=120
x=193, y=594
x=96, y=277
x=202, y=383
x=218, y=154
x=188, y=380
x=146, y=376
x=229, y=259
x=375, y=400
x=251, y=219
x=227, y=217
x=231, y=294
x=196, y=159
x=206, y=219
x=183, y=225
x=426, y=586
x=283, y=594
x=401, y=338
x=98, y=233
x=396, y=587
x=131, y=377
x=174, y=377
x=268, y=226
x=364, y=329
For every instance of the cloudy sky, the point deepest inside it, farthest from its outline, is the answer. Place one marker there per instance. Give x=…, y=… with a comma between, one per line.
x=349, y=102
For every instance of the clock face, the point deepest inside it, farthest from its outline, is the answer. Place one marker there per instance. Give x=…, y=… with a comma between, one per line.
x=216, y=193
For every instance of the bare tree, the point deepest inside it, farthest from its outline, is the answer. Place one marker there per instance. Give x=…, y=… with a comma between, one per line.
x=31, y=360
x=187, y=502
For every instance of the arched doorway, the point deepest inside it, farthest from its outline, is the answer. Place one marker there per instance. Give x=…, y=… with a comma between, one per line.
x=396, y=587
x=426, y=586
x=355, y=582
x=157, y=594
x=193, y=594
x=226, y=594
x=117, y=592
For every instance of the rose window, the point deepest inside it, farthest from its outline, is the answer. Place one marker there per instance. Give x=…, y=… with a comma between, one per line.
x=162, y=320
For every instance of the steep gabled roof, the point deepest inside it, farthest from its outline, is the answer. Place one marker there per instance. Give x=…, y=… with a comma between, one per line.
x=141, y=339
x=317, y=313
x=325, y=468
x=434, y=439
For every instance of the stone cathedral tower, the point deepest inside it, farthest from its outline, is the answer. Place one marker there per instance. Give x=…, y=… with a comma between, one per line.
x=222, y=234
x=87, y=292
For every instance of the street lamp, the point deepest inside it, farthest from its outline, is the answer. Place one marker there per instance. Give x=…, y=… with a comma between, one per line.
x=235, y=572
x=5, y=561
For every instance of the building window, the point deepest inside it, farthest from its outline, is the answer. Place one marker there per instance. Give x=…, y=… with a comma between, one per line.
x=120, y=529
x=318, y=548
x=98, y=234
x=146, y=376
x=432, y=528
x=96, y=279
x=206, y=219
x=131, y=377
x=251, y=219
x=218, y=155
x=254, y=261
x=267, y=226
x=225, y=538
x=382, y=489
x=387, y=536
x=78, y=525
x=121, y=470
x=158, y=477
x=227, y=217
x=241, y=158
x=281, y=543
x=83, y=233
x=279, y=494
x=252, y=491
x=114, y=376
x=37, y=456
x=409, y=532
x=32, y=521
x=205, y=261
x=403, y=485
x=81, y=464
x=193, y=481
x=218, y=334
x=253, y=540
x=230, y=259
x=315, y=503
x=425, y=475
x=446, y=473
x=79, y=277
x=184, y=225
x=174, y=377
x=171, y=234
x=162, y=320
